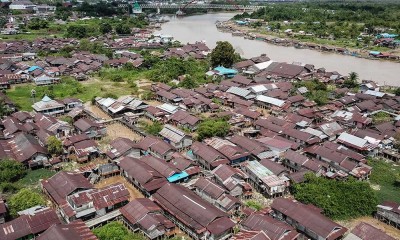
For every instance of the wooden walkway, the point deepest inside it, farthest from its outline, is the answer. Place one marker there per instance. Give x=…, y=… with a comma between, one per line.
x=103, y=219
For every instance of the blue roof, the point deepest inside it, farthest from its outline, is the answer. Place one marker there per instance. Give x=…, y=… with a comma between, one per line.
x=374, y=52
x=241, y=22
x=33, y=68
x=178, y=176
x=225, y=71
x=387, y=35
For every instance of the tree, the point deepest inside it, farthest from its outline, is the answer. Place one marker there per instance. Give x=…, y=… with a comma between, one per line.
x=212, y=127
x=188, y=82
x=338, y=199
x=11, y=170
x=351, y=81
x=397, y=91
x=54, y=145
x=154, y=128
x=223, y=55
x=123, y=28
x=105, y=28
x=77, y=31
x=23, y=199
x=37, y=23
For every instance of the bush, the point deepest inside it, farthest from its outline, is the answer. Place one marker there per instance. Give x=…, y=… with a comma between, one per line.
x=339, y=199
x=117, y=78
x=213, y=127
x=11, y=170
x=153, y=128
x=116, y=231
x=24, y=199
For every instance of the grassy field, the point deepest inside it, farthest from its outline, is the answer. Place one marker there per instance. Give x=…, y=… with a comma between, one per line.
x=383, y=180
x=21, y=94
x=33, y=176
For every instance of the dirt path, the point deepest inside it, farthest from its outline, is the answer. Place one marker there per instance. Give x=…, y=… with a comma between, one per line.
x=119, y=179
x=97, y=111
x=395, y=233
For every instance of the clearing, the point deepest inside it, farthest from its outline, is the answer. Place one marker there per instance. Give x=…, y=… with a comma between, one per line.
x=384, y=179
x=392, y=231
x=117, y=130
x=120, y=179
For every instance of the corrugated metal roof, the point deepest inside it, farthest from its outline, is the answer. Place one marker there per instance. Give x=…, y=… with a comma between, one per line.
x=270, y=100
x=356, y=141
x=168, y=108
x=172, y=133
x=239, y=91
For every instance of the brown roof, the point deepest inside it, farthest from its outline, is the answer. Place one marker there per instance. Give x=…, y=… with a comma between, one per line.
x=191, y=210
x=273, y=228
x=155, y=144
x=28, y=225
x=85, y=124
x=63, y=184
x=204, y=185
x=315, y=221
x=120, y=146
x=146, y=213
x=366, y=231
x=76, y=230
x=208, y=153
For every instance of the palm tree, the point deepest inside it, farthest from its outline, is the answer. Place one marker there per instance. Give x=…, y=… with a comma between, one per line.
x=353, y=76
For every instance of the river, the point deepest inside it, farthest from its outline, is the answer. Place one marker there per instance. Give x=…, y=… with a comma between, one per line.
x=202, y=27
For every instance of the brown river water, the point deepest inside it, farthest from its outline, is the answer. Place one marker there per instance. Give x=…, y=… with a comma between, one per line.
x=202, y=28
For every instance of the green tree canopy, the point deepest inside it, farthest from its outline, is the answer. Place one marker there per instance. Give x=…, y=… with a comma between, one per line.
x=77, y=31
x=223, y=55
x=339, y=199
x=25, y=198
x=212, y=127
x=123, y=28
x=105, y=28
x=54, y=145
x=11, y=170
x=37, y=23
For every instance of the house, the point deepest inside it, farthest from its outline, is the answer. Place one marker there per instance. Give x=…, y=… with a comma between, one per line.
x=156, y=147
x=264, y=180
x=28, y=225
x=389, y=212
x=359, y=144
x=95, y=203
x=366, y=231
x=234, y=180
x=250, y=235
x=24, y=148
x=45, y=80
x=89, y=127
x=76, y=230
x=71, y=103
x=177, y=138
x=216, y=195
x=145, y=215
x=273, y=228
x=256, y=148
x=316, y=226
x=48, y=106
x=267, y=102
x=206, y=156
x=184, y=119
x=150, y=173
x=22, y=5
x=294, y=160
x=121, y=147
x=229, y=150
x=62, y=185
x=84, y=151
x=193, y=215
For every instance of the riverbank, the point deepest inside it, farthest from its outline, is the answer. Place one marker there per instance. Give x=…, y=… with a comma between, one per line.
x=252, y=34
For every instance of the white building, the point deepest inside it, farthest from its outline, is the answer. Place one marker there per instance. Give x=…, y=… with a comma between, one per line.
x=22, y=5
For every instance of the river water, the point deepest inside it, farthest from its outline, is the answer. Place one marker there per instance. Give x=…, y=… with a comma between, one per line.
x=202, y=27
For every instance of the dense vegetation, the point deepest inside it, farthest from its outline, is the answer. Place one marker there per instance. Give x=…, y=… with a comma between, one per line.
x=116, y=231
x=331, y=23
x=24, y=199
x=212, y=127
x=165, y=71
x=338, y=199
x=385, y=178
